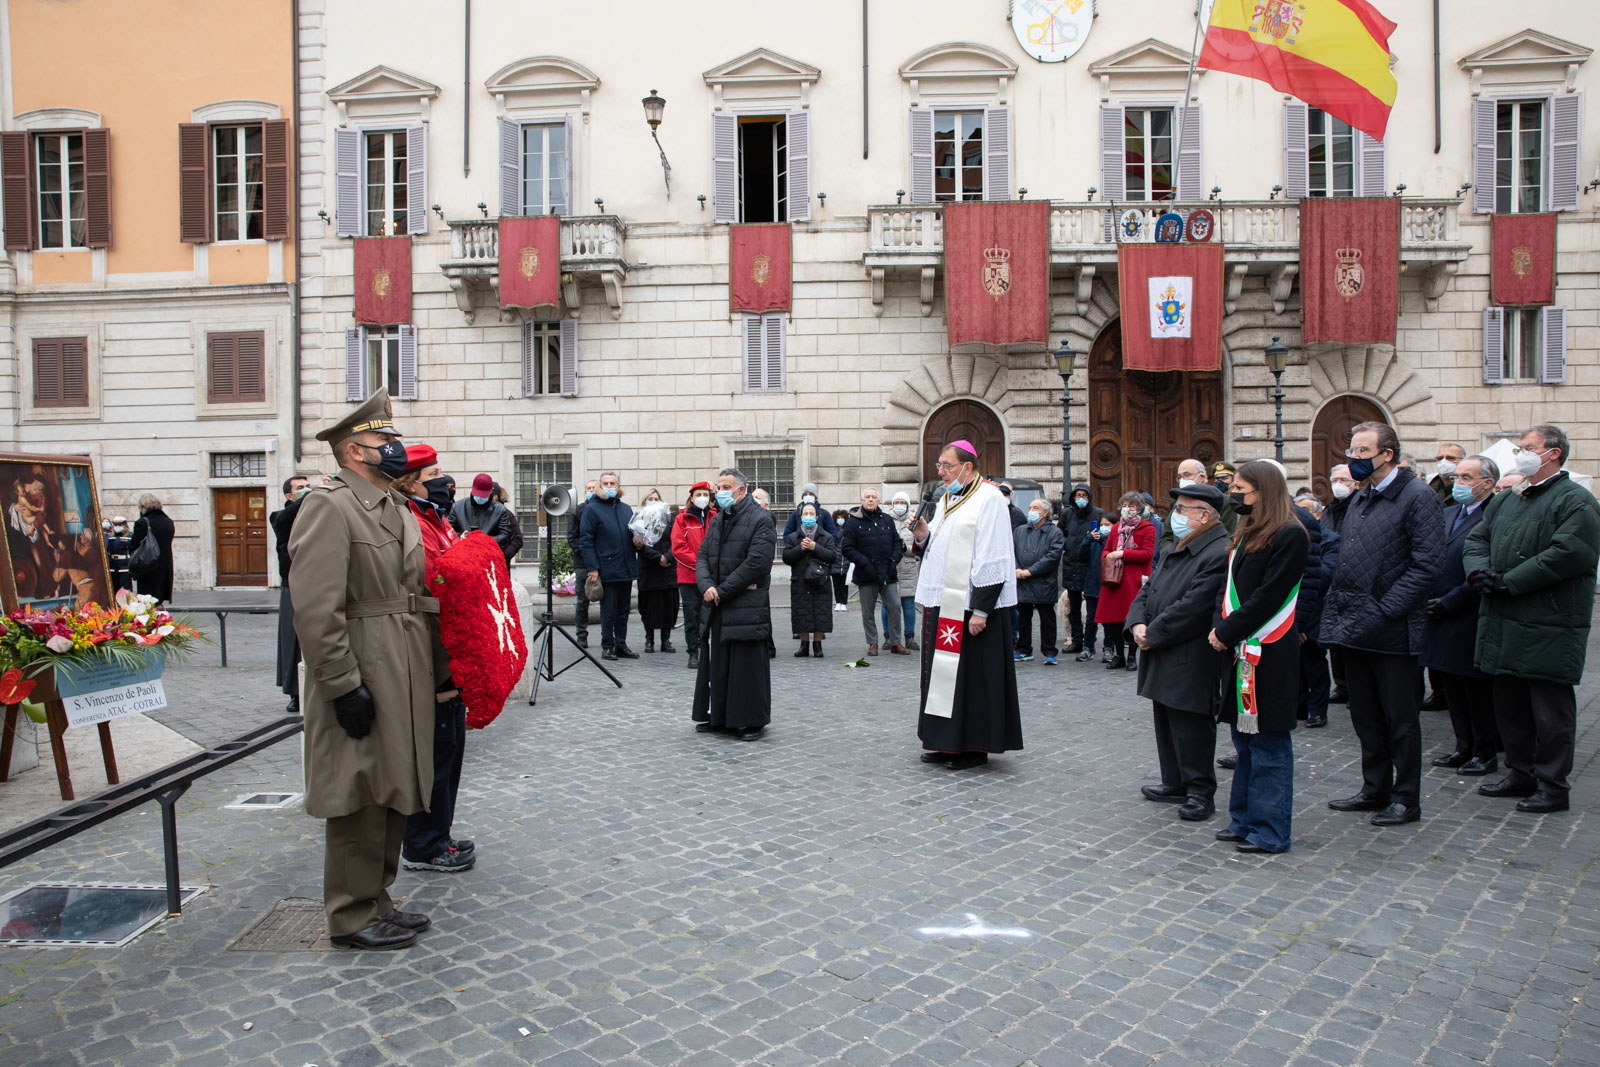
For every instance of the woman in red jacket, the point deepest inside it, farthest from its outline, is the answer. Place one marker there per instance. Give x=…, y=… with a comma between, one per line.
x=688, y=530
x=1132, y=541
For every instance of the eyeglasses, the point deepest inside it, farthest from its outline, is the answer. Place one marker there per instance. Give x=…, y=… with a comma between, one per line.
x=1362, y=452
x=1469, y=479
x=948, y=466
x=1192, y=509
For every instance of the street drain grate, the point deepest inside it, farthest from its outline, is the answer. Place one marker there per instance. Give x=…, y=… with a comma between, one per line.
x=264, y=801
x=290, y=926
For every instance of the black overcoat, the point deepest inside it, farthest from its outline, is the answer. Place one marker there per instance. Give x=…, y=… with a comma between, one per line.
x=1038, y=550
x=736, y=558
x=1263, y=579
x=1449, y=640
x=652, y=575
x=157, y=580
x=1389, y=549
x=810, y=607
x=1075, y=526
x=1180, y=669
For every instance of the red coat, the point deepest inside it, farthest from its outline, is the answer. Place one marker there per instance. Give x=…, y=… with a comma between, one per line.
x=437, y=535
x=1115, y=602
x=687, y=533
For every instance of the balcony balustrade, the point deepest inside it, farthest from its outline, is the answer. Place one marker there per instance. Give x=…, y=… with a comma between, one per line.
x=592, y=248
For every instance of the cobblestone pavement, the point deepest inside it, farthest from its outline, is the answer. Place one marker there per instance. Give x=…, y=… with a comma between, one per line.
x=648, y=895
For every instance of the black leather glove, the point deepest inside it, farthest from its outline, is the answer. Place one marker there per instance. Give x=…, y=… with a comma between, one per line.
x=355, y=712
x=1434, y=610
x=1488, y=583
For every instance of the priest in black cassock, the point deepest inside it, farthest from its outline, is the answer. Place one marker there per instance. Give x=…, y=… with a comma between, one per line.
x=967, y=590
x=733, y=687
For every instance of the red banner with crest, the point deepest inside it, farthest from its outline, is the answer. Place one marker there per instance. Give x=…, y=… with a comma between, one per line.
x=1171, y=302
x=1350, y=269
x=997, y=272
x=1523, y=249
x=760, y=267
x=530, y=263
x=383, y=280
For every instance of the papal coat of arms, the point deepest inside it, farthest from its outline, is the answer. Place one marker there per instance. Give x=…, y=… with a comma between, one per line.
x=382, y=283
x=1170, y=310
x=1201, y=225
x=1347, y=274
x=1279, y=19
x=761, y=269
x=996, y=272
x=1132, y=225
x=528, y=263
x=1521, y=260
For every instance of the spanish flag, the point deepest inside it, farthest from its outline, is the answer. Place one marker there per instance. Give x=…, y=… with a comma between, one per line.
x=1332, y=54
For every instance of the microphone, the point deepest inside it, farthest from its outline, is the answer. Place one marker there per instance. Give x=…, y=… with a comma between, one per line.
x=929, y=506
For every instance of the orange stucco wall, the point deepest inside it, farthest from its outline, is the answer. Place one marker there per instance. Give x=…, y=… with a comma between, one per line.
x=62, y=268
x=143, y=66
x=237, y=264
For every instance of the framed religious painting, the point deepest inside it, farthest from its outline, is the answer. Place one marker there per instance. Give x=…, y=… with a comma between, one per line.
x=55, y=554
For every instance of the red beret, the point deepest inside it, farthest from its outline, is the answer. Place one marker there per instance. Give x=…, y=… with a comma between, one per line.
x=700, y=485
x=420, y=456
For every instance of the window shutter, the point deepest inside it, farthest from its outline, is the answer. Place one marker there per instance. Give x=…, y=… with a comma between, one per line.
x=724, y=168
x=222, y=361
x=74, y=373
x=16, y=190
x=797, y=126
x=194, y=183
x=97, y=187
x=753, y=359
x=355, y=364
x=1189, y=175
x=569, y=357
x=774, y=346
x=1566, y=115
x=1112, y=125
x=1296, y=151
x=1483, y=156
x=348, y=217
x=997, y=153
x=1494, y=340
x=1370, y=156
x=408, y=363
x=250, y=366
x=572, y=148
x=527, y=357
x=275, y=179
x=47, y=374
x=510, y=168
x=1553, y=331
x=416, y=179
x=921, y=155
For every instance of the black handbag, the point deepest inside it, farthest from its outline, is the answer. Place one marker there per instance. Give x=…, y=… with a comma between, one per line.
x=816, y=574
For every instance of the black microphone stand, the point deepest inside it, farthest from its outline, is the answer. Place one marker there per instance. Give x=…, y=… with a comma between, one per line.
x=545, y=658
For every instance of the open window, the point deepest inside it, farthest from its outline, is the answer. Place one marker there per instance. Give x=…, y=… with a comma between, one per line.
x=762, y=167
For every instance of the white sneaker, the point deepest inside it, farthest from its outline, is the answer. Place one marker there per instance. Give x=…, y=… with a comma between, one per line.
x=841, y=607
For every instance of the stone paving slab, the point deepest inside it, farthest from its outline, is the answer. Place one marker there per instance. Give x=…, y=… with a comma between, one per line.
x=648, y=895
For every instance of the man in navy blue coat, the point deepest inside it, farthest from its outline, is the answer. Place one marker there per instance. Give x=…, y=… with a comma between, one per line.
x=610, y=551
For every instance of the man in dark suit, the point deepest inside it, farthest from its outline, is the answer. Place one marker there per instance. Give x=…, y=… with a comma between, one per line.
x=1452, y=629
x=282, y=523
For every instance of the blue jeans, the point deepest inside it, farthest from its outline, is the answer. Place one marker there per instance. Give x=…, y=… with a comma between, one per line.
x=1262, y=801
x=908, y=606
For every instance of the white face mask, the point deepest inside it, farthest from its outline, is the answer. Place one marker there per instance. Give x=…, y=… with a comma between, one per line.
x=1340, y=490
x=1184, y=483
x=702, y=501
x=900, y=510
x=1528, y=462
x=1445, y=468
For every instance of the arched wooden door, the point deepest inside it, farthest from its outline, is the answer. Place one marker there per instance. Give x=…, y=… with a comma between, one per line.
x=1143, y=424
x=964, y=420
x=1330, y=436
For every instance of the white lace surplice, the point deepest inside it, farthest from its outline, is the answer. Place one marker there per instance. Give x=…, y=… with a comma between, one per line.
x=994, y=556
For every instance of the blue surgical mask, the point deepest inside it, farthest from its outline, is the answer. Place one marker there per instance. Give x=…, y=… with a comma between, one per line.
x=479, y=500
x=809, y=522
x=953, y=488
x=1180, y=526
x=1462, y=493
x=610, y=491
x=724, y=499
x=1036, y=517
x=588, y=496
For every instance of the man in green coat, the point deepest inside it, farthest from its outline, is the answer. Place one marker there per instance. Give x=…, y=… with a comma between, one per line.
x=1533, y=559
x=360, y=613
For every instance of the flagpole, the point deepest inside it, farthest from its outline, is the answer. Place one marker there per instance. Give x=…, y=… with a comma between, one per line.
x=1188, y=83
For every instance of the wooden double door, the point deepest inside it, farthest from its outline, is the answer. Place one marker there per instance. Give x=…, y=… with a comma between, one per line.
x=241, y=524
x=1143, y=424
x=964, y=420
x=1330, y=436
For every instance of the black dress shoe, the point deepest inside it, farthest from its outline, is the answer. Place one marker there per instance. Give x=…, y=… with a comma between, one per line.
x=1339, y=695
x=1072, y=649
x=608, y=654
x=1165, y=794
x=378, y=937
x=1362, y=801
x=1397, y=814
x=1226, y=834
x=1315, y=722
x=1196, y=810
x=937, y=757
x=294, y=706
x=1085, y=656
x=408, y=920
x=1475, y=766
x=649, y=646
x=624, y=652
x=1116, y=664
x=1454, y=759
x=1542, y=803
x=1509, y=786
x=1245, y=846
x=1434, y=702
x=816, y=650
x=962, y=761
x=668, y=646
x=1228, y=763
x=708, y=728
x=751, y=734
x=805, y=651
x=1133, y=661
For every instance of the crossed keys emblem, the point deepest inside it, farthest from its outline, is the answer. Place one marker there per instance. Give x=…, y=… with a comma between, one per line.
x=1050, y=31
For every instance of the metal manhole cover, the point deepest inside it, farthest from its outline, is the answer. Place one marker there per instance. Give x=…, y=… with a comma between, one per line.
x=290, y=926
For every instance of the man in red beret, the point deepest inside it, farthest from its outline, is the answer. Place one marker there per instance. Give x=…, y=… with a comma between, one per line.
x=688, y=530
x=481, y=511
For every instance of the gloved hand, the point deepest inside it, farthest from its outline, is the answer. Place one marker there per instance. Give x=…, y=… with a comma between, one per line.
x=355, y=712
x=1488, y=583
x=1434, y=609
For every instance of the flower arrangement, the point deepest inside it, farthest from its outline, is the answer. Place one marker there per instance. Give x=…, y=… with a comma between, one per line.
x=651, y=521
x=129, y=634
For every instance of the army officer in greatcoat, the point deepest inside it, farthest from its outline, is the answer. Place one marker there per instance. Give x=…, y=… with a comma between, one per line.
x=360, y=607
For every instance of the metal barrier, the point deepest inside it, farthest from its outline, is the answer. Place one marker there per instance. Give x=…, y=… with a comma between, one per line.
x=164, y=786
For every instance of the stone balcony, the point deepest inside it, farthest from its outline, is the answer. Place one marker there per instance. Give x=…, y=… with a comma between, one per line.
x=592, y=248
x=1259, y=236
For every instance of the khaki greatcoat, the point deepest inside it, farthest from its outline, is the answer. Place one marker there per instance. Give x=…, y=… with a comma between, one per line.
x=355, y=544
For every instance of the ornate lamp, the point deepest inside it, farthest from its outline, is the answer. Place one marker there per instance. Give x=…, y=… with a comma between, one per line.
x=654, y=107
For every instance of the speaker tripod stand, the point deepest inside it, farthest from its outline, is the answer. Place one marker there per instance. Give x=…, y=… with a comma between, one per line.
x=544, y=639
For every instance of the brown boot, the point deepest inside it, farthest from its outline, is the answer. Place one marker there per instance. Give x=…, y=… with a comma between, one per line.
x=872, y=650
x=899, y=650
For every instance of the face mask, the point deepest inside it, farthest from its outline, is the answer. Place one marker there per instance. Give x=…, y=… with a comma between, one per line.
x=1105, y=527
x=1444, y=468
x=441, y=492
x=1528, y=463
x=701, y=502
x=1081, y=504
x=808, y=499
x=1180, y=526
x=302, y=491
x=900, y=510
x=1129, y=514
x=1340, y=491
x=391, y=459
x=1239, y=506
x=953, y=488
x=1361, y=469
x=724, y=499
x=1036, y=517
x=588, y=496
x=1462, y=493
x=610, y=491
x=479, y=500
x=1184, y=483
x=808, y=523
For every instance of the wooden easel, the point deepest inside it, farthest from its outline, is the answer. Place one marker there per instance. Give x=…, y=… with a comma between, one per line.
x=56, y=722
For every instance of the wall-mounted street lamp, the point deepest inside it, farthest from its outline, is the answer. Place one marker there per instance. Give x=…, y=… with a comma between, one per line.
x=702, y=199
x=437, y=210
x=1276, y=189
x=654, y=107
x=483, y=208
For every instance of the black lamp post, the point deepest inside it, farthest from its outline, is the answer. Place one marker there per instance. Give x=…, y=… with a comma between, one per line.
x=1065, y=357
x=655, y=107
x=1277, y=359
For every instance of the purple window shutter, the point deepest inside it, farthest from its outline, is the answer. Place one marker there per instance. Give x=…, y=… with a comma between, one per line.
x=527, y=357
x=921, y=155
x=1553, y=330
x=570, y=197
x=569, y=357
x=416, y=179
x=724, y=168
x=355, y=364
x=408, y=363
x=797, y=126
x=510, y=168
x=1483, y=155
x=349, y=219
x=1112, y=161
x=753, y=358
x=997, y=153
x=1296, y=151
x=1370, y=155
x=1190, y=179
x=1566, y=117
x=776, y=351
x=1494, y=324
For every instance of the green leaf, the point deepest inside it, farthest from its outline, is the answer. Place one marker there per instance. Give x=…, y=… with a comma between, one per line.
x=862, y=662
x=34, y=711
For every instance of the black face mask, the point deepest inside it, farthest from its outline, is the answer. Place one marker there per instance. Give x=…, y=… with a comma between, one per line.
x=441, y=492
x=1239, y=506
x=391, y=459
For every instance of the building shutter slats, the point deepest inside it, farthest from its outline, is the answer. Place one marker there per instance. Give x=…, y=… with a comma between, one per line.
x=997, y=153
x=1371, y=158
x=46, y=374
x=251, y=367
x=1483, y=155
x=355, y=364
x=1296, y=151
x=1566, y=118
x=1494, y=322
x=569, y=357
x=1111, y=153
x=724, y=168
x=417, y=179
x=16, y=191
x=921, y=155
x=347, y=198
x=1553, y=332
x=527, y=358
x=510, y=168
x=773, y=350
x=570, y=199
x=275, y=179
x=1190, y=180
x=408, y=363
x=194, y=183
x=752, y=351
x=797, y=127
x=97, y=187
x=74, y=373
x=221, y=363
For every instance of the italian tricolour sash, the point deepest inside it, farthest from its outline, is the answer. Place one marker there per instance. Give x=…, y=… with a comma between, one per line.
x=958, y=522
x=1249, y=654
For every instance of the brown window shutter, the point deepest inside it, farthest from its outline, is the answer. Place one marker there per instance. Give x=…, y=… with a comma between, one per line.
x=97, y=186
x=275, y=182
x=222, y=358
x=194, y=183
x=75, y=372
x=16, y=190
x=46, y=374
x=250, y=378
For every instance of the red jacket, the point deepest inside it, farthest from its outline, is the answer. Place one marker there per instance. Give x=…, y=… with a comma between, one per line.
x=437, y=535
x=687, y=533
x=1116, y=600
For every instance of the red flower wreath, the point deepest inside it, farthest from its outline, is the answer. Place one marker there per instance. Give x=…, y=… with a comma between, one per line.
x=480, y=624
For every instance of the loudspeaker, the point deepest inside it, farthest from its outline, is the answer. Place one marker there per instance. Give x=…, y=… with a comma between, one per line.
x=556, y=500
